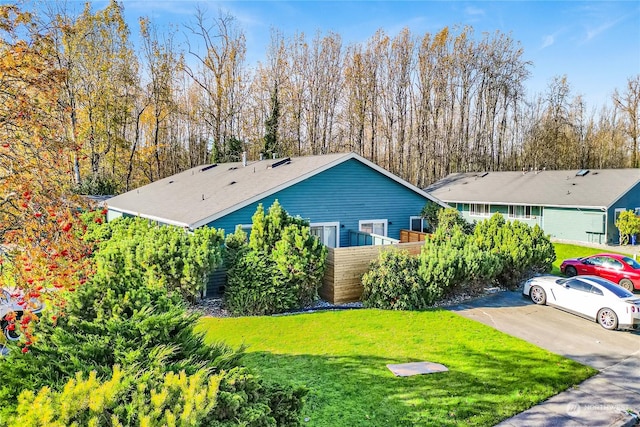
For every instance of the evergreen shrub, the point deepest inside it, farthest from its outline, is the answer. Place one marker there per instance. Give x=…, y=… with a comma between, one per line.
x=127, y=316
x=174, y=399
x=135, y=248
x=628, y=224
x=393, y=283
x=524, y=250
x=454, y=258
x=280, y=269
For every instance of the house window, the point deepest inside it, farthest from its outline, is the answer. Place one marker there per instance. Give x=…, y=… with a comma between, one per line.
x=479, y=209
x=373, y=226
x=520, y=212
x=637, y=211
x=417, y=223
x=327, y=232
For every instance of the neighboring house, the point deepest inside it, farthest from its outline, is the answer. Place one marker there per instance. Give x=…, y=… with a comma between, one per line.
x=579, y=205
x=341, y=195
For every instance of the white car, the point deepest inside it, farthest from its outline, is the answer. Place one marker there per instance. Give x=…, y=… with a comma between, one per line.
x=595, y=298
x=13, y=302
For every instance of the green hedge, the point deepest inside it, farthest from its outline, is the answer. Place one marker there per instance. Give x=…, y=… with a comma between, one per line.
x=454, y=257
x=134, y=318
x=136, y=249
x=174, y=399
x=525, y=250
x=393, y=283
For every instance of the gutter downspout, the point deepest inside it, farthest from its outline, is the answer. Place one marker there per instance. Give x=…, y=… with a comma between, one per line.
x=606, y=226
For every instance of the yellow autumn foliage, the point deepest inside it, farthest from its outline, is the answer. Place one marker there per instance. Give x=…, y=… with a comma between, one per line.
x=181, y=400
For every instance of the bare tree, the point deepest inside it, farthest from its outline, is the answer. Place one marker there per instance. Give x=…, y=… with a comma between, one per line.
x=162, y=63
x=220, y=76
x=629, y=104
x=398, y=63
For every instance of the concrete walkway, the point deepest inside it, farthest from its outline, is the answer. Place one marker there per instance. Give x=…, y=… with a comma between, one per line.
x=610, y=398
x=603, y=400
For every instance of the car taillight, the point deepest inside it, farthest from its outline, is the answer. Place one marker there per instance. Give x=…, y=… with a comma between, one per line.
x=633, y=307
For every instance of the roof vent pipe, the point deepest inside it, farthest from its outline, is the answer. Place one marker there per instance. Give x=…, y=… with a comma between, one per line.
x=261, y=156
x=275, y=155
x=244, y=158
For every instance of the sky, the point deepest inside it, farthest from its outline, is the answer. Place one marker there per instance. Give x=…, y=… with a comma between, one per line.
x=596, y=44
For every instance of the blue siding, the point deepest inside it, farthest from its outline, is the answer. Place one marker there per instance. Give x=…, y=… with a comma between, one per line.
x=629, y=201
x=346, y=193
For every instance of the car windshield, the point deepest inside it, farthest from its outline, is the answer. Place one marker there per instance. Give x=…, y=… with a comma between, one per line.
x=618, y=291
x=631, y=262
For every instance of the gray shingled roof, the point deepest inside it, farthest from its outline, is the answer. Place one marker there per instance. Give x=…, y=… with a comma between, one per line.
x=203, y=194
x=597, y=189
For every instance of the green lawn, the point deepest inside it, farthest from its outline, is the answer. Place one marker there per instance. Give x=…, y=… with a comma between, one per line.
x=564, y=251
x=340, y=356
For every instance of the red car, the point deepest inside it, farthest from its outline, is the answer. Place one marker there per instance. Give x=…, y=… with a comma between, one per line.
x=620, y=269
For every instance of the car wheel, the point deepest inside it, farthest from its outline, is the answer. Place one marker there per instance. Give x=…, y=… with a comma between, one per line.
x=11, y=334
x=608, y=318
x=627, y=284
x=571, y=271
x=538, y=295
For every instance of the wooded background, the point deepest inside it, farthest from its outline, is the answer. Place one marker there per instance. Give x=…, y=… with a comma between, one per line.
x=419, y=105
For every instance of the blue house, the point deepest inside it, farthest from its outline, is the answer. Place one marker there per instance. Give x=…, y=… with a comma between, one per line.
x=347, y=199
x=573, y=205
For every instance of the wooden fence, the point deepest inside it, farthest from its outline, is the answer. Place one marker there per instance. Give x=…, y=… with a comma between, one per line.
x=342, y=280
x=412, y=236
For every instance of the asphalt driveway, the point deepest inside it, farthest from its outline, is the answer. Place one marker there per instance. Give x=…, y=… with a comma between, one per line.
x=553, y=329
x=616, y=354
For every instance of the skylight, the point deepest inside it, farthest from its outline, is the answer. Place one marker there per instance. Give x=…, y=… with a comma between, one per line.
x=206, y=168
x=284, y=161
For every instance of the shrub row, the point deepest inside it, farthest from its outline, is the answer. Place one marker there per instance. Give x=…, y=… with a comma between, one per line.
x=125, y=353
x=172, y=399
x=136, y=249
x=493, y=250
x=524, y=249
